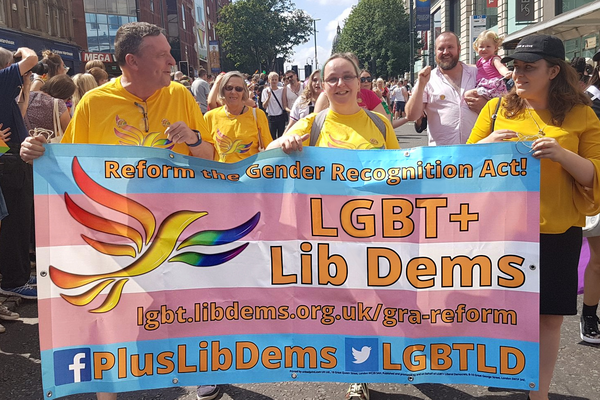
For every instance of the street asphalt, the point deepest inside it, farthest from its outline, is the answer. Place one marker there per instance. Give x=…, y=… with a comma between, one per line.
x=577, y=375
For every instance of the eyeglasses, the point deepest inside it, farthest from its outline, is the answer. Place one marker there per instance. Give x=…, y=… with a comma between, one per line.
x=238, y=89
x=144, y=115
x=333, y=80
x=525, y=142
x=364, y=79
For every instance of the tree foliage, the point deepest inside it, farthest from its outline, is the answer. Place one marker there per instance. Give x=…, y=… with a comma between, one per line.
x=255, y=32
x=378, y=31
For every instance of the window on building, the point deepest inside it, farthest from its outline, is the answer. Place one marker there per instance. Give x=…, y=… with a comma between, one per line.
x=480, y=8
x=183, y=17
x=152, y=5
x=455, y=17
x=27, y=8
x=89, y=6
x=562, y=6
x=2, y=12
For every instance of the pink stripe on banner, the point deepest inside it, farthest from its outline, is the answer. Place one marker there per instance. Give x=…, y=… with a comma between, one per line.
x=288, y=217
x=67, y=325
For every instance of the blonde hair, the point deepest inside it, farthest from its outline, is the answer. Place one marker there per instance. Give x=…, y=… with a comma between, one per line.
x=83, y=83
x=225, y=81
x=308, y=94
x=488, y=35
x=272, y=74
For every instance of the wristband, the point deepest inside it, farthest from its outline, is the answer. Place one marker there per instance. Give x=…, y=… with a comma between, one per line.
x=199, y=142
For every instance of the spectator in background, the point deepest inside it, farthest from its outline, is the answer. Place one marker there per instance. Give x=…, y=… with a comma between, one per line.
x=275, y=103
x=305, y=104
x=42, y=105
x=589, y=329
x=16, y=177
x=100, y=75
x=83, y=83
x=56, y=66
x=201, y=89
x=440, y=93
x=94, y=64
x=292, y=89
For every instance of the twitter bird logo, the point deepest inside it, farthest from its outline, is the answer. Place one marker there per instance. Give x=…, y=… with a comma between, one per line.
x=362, y=355
x=364, y=359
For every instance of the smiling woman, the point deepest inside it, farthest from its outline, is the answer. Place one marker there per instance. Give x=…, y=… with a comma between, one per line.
x=238, y=131
x=547, y=107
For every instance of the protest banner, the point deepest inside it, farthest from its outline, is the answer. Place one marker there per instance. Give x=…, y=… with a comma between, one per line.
x=410, y=266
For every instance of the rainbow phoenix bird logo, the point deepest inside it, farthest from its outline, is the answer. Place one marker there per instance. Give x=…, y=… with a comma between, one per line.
x=149, y=249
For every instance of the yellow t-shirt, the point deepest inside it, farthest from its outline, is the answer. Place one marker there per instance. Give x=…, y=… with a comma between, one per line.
x=355, y=131
x=563, y=202
x=236, y=136
x=109, y=115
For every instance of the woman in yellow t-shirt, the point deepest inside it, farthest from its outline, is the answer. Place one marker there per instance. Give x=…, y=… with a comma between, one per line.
x=238, y=131
x=547, y=107
x=346, y=124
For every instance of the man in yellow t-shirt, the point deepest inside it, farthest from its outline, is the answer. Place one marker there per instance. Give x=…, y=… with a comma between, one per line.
x=140, y=108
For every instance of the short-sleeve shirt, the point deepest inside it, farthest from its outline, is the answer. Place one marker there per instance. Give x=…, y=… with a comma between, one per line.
x=10, y=114
x=110, y=114
x=301, y=108
x=291, y=95
x=367, y=99
x=273, y=108
x=449, y=119
x=237, y=136
x=200, y=90
x=41, y=109
x=356, y=131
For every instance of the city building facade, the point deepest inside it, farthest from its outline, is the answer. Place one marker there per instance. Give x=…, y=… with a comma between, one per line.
x=576, y=22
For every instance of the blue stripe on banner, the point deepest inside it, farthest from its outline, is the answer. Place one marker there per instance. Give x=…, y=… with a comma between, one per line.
x=265, y=358
x=418, y=171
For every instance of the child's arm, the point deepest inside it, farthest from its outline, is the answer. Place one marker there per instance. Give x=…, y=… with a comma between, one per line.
x=501, y=67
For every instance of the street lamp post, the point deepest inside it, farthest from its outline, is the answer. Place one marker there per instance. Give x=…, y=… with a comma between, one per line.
x=315, y=36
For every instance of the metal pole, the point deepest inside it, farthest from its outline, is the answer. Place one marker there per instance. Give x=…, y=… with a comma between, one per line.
x=412, y=43
x=315, y=36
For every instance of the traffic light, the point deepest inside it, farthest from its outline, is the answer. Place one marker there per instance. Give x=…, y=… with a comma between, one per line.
x=307, y=71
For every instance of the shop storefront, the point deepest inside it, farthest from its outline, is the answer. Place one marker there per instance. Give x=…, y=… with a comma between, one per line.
x=12, y=40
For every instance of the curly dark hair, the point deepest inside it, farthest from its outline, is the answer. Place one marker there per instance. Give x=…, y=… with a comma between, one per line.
x=563, y=95
x=129, y=38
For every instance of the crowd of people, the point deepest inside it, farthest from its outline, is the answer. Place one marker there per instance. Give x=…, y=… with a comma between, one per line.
x=542, y=102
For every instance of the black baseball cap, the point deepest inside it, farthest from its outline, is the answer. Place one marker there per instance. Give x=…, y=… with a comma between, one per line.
x=535, y=47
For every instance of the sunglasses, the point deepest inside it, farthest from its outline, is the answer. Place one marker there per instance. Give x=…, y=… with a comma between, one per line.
x=364, y=79
x=142, y=110
x=289, y=77
x=238, y=89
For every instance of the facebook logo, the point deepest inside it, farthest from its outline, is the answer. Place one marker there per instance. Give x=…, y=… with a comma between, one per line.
x=362, y=354
x=72, y=366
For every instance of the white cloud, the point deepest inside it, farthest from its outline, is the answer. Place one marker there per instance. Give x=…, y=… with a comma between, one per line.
x=331, y=28
x=333, y=2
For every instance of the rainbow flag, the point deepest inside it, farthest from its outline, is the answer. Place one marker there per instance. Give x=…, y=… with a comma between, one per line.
x=407, y=266
x=3, y=147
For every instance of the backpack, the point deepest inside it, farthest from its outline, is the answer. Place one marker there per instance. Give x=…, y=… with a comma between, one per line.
x=317, y=126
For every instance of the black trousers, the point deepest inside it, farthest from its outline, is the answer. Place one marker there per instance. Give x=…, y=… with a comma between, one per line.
x=277, y=125
x=16, y=180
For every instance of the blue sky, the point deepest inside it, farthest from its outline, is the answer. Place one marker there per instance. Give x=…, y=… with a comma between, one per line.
x=330, y=12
